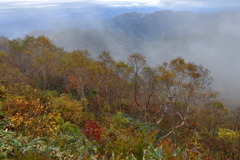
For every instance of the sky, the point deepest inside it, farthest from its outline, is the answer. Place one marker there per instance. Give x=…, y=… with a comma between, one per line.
x=227, y=4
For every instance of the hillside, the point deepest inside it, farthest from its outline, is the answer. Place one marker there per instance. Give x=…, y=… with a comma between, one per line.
x=57, y=104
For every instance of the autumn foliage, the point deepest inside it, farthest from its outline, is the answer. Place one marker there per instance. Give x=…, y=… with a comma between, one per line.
x=92, y=130
x=56, y=104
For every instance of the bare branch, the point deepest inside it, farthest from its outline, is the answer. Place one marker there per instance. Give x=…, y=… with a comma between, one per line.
x=173, y=130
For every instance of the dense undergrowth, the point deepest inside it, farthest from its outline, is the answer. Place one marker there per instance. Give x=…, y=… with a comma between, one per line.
x=67, y=105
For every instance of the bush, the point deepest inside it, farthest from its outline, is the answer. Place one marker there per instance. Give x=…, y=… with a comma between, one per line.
x=18, y=147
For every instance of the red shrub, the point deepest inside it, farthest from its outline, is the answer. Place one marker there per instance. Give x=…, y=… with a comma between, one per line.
x=92, y=130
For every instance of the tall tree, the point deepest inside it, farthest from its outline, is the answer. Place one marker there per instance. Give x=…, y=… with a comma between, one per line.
x=137, y=62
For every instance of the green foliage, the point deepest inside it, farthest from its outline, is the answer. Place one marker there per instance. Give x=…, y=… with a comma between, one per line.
x=69, y=128
x=120, y=120
x=73, y=142
x=70, y=109
x=156, y=153
x=13, y=147
x=125, y=137
x=167, y=150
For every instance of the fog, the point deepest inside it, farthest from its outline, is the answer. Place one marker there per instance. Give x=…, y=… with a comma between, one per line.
x=218, y=51
x=210, y=39
x=215, y=45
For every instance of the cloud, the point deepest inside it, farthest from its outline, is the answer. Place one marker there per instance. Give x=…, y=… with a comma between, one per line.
x=193, y=3
x=157, y=3
x=14, y=4
x=163, y=4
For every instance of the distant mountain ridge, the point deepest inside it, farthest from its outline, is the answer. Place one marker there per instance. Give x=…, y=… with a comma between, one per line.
x=149, y=25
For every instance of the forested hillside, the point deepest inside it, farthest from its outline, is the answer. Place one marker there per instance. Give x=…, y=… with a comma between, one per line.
x=56, y=104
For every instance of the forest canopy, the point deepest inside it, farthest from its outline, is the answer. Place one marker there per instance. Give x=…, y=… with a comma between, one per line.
x=56, y=104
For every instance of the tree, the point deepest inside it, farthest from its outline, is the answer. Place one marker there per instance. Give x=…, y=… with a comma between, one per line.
x=106, y=76
x=80, y=70
x=149, y=86
x=182, y=88
x=137, y=62
x=11, y=77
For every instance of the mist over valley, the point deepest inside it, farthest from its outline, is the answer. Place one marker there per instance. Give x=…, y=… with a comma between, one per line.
x=210, y=39
x=207, y=38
